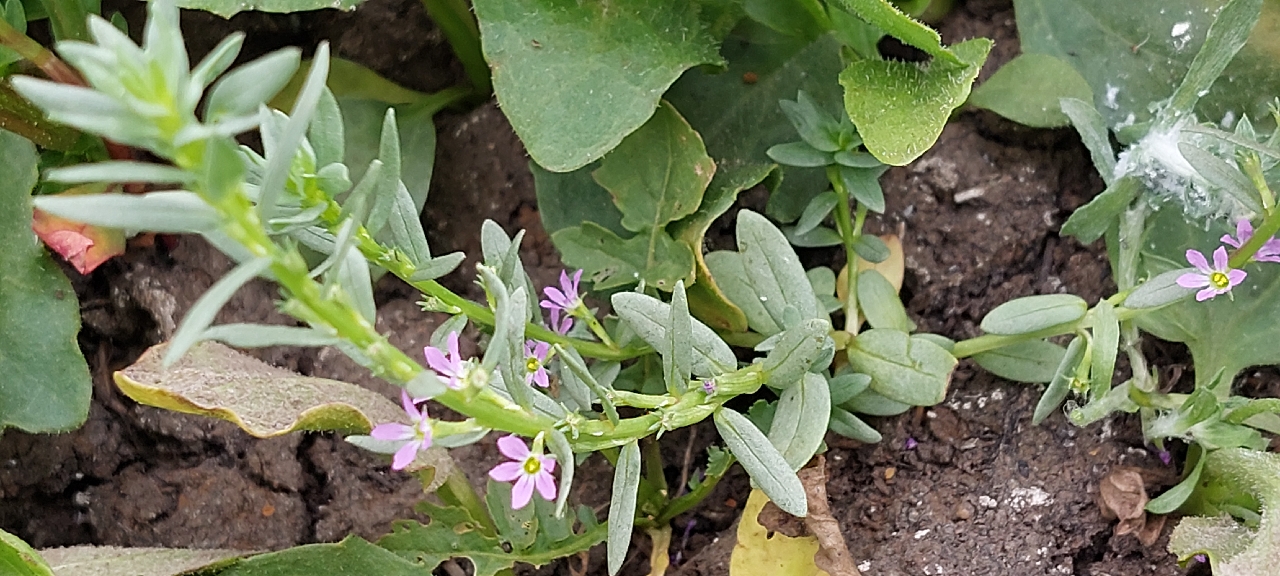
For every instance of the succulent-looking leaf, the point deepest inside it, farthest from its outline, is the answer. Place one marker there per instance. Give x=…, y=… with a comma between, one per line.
x=904, y=368
x=878, y=299
x=1060, y=385
x=846, y=424
x=1033, y=361
x=1033, y=313
x=46, y=387
x=1028, y=88
x=795, y=352
x=731, y=275
x=677, y=348
x=116, y=561
x=644, y=314
x=576, y=79
x=871, y=403
x=353, y=555
x=800, y=420
x=229, y=8
x=776, y=273
x=622, y=506
x=170, y=211
x=1106, y=342
x=1091, y=221
x=762, y=461
x=760, y=552
x=1093, y=133
x=265, y=401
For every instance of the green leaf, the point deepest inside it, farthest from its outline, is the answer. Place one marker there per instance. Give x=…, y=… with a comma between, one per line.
x=1160, y=290
x=201, y=314
x=1106, y=342
x=658, y=173
x=1091, y=221
x=880, y=304
x=265, y=401
x=119, y=171
x=350, y=556
x=1032, y=361
x=800, y=420
x=677, y=344
x=901, y=107
x=622, y=505
x=1236, y=476
x=850, y=426
x=887, y=17
x=845, y=386
x=260, y=335
x=1033, y=313
x=871, y=403
x=518, y=528
x=241, y=91
x=453, y=533
x=559, y=446
x=47, y=384
x=762, y=461
x=800, y=155
x=575, y=79
x=17, y=558
x=281, y=155
x=326, y=133
x=169, y=212
x=350, y=81
x=229, y=8
x=817, y=210
x=645, y=314
x=815, y=126
x=800, y=18
x=1132, y=58
x=796, y=351
x=1028, y=88
x=1060, y=385
x=1227, y=34
x=864, y=185
x=1093, y=133
x=1173, y=498
x=1222, y=174
x=743, y=120
x=612, y=262
x=116, y=561
x=902, y=368
x=731, y=275
x=777, y=276
x=568, y=199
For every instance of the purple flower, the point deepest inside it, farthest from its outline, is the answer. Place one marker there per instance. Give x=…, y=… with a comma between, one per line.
x=1269, y=252
x=1201, y=558
x=416, y=437
x=566, y=297
x=1215, y=281
x=1165, y=457
x=709, y=386
x=910, y=443
x=452, y=366
x=535, y=359
x=527, y=469
x=560, y=325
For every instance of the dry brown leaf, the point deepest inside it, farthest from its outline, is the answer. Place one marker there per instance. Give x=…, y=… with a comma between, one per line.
x=833, y=555
x=1122, y=495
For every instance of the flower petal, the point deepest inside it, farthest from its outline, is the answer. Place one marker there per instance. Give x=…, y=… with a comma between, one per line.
x=407, y=403
x=455, y=358
x=437, y=361
x=506, y=471
x=1197, y=259
x=513, y=447
x=522, y=492
x=1235, y=277
x=548, y=462
x=1244, y=230
x=1193, y=280
x=540, y=378
x=1220, y=259
x=545, y=484
x=392, y=431
x=1206, y=294
x=405, y=455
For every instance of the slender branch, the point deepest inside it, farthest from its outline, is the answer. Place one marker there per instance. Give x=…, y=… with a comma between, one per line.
x=32, y=51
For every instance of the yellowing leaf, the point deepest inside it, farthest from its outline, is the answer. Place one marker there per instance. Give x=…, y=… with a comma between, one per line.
x=756, y=554
x=892, y=268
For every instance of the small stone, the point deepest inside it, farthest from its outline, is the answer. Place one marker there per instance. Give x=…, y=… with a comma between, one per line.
x=890, y=472
x=963, y=511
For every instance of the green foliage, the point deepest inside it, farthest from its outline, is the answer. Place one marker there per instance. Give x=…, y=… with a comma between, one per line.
x=116, y=561
x=903, y=368
x=1232, y=475
x=17, y=558
x=1034, y=313
x=1033, y=361
x=350, y=556
x=576, y=79
x=800, y=419
x=622, y=506
x=767, y=467
x=1028, y=89
x=229, y=8
x=47, y=384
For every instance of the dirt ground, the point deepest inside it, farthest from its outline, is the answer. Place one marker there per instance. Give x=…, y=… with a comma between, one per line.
x=983, y=492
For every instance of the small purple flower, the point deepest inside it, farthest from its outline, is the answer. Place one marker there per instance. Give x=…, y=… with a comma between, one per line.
x=1165, y=457
x=452, y=367
x=416, y=437
x=535, y=359
x=911, y=443
x=558, y=324
x=1269, y=252
x=1201, y=558
x=565, y=297
x=527, y=469
x=1215, y=281
x=709, y=386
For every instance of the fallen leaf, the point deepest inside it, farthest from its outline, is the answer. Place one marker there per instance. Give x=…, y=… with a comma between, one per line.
x=84, y=247
x=833, y=555
x=1122, y=496
x=893, y=268
x=756, y=554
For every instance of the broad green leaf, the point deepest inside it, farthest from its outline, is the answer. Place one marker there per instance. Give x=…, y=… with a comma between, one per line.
x=1032, y=361
x=796, y=351
x=801, y=18
x=1234, y=548
x=568, y=199
x=647, y=315
x=229, y=8
x=1060, y=385
x=707, y=301
x=880, y=304
x=846, y=424
x=518, y=528
x=901, y=107
x=453, y=533
x=575, y=79
x=1033, y=313
x=871, y=403
x=760, y=551
x=353, y=555
x=1091, y=221
x=1133, y=57
x=116, y=561
x=776, y=273
x=1028, y=88
x=902, y=368
x=762, y=462
x=622, y=505
x=800, y=420
x=47, y=384
x=612, y=262
x=265, y=401
x=744, y=119
x=17, y=558
x=658, y=173
x=885, y=16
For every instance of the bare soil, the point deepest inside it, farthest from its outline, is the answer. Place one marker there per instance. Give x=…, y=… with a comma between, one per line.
x=983, y=492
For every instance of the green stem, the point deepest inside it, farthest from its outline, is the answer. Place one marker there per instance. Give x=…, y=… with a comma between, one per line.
x=457, y=491
x=33, y=52
x=653, y=466
x=459, y=26
x=849, y=230
x=1270, y=225
x=688, y=501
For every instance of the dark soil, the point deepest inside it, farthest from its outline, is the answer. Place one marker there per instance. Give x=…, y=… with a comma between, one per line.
x=984, y=492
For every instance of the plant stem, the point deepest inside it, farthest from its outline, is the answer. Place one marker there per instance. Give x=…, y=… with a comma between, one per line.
x=457, y=491
x=682, y=504
x=1270, y=225
x=32, y=51
x=459, y=26
x=849, y=229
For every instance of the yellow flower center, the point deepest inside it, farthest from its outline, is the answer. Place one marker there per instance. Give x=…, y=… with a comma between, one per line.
x=532, y=465
x=532, y=364
x=1219, y=280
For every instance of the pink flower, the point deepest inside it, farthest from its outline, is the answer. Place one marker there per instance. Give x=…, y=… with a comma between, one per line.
x=1219, y=279
x=452, y=366
x=566, y=297
x=527, y=469
x=1269, y=252
x=560, y=325
x=416, y=437
x=535, y=359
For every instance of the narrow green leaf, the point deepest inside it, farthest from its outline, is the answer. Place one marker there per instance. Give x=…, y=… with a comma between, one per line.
x=229, y=8
x=559, y=445
x=852, y=159
x=777, y=276
x=117, y=561
x=871, y=248
x=352, y=273
x=815, y=126
x=871, y=403
x=1060, y=385
x=1091, y=221
x=407, y=234
x=170, y=212
x=1028, y=88
x=1093, y=133
x=800, y=155
x=845, y=386
x=326, y=132
x=1106, y=342
x=216, y=61
x=850, y=426
x=1222, y=175
x=902, y=368
x=437, y=267
x=573, y=360
x=388, y=185
x=622, y=505
x=1173, y=498
x=762, y=461
x=201, y=314
x=817, y=210
x=1033, y=361
x=120, y=171
x=711, y=356
x=17, y=558
x=1033, y=313
x=280, y=161
x=677, y=349
x=796, y=351
x=800, y=420
x=880, y=304
x=241, y=91
x=1227, y=35
x=222, y=169
x=261, y=335
x=864, y=185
